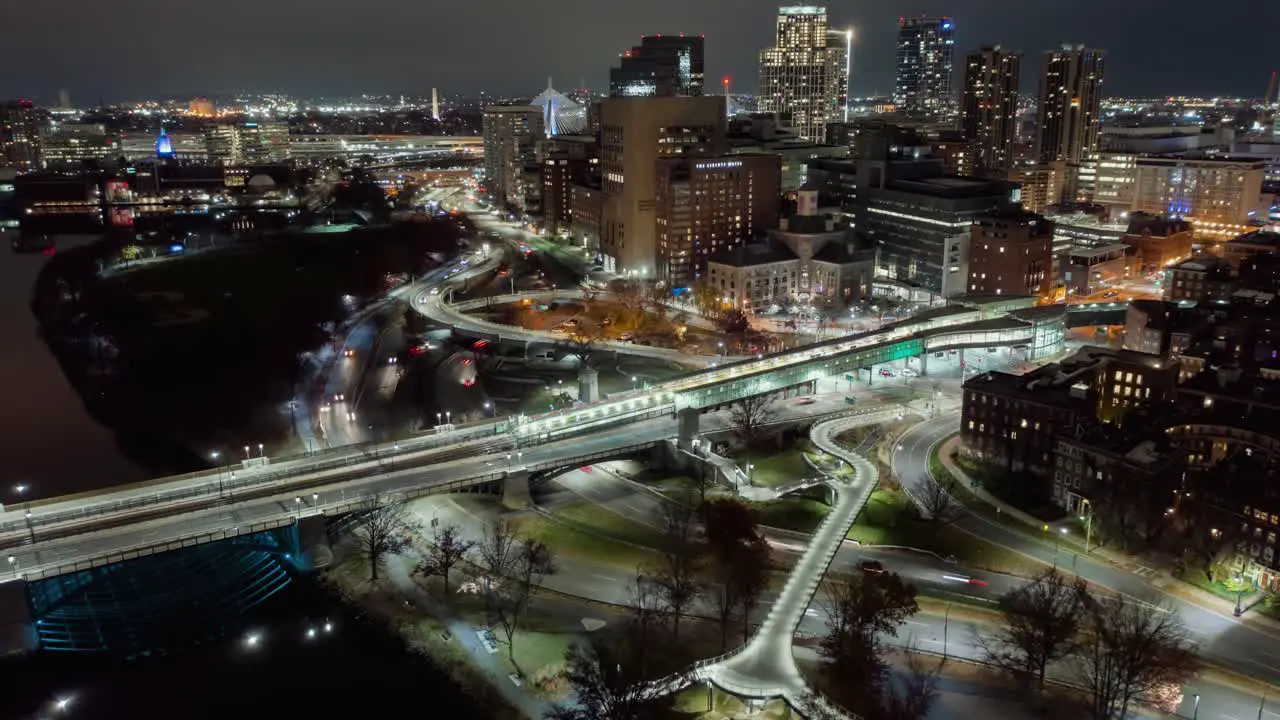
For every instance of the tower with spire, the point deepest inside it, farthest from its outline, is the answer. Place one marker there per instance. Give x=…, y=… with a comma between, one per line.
x=164, y=147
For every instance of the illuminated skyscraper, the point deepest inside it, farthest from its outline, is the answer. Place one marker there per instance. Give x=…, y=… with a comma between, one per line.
x=660, y=66
x=926, y=49
x=1070, y=102
x=20, y=123
x=510, y=136
x=804, y=77
x=989, y=107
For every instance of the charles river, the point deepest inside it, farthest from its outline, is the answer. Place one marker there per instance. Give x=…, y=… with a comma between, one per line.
x=53, y=446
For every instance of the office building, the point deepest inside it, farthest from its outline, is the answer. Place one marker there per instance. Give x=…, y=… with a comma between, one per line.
x=1013, y=420
x=1205, y=279
x=510, y=136
x=263, y=143
x=804, y=77
x=660, y=66
x=752, y=133
x=563, y=160
x=20, y=124
x=955, y=151
x=68, y=146
x=989, y=106
x=1070, y=112
x=584, y=209
x=926, y=50
x=918, y=217
x=1159, y=241
x=635, y=134
x=1240, y=249
x=222, y=143
x=1083, y=271
x=705, y=205
x=1041, y=185
x=1219, y=194
x=1011, y=253
x=813, y=257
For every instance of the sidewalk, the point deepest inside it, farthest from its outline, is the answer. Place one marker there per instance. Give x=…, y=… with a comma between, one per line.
x=1162, y=579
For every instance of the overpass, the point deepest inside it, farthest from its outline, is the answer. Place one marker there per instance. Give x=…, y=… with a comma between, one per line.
x=1038, y=329
x=76, y=538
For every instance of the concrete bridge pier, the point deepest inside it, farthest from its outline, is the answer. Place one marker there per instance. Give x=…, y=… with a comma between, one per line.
x=515, y=490
x=17, y=631
x=924, y=364
x=588, y=384
x=313, y=541
x=688, y=418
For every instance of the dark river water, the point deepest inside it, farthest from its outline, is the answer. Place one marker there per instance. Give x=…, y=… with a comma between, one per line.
x=51, y=443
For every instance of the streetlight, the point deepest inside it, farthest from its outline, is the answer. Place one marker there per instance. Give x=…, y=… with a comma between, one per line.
x=260, y=453
x=31, y=529
x=1088, y=523
x=448, y=417
x=217, y=470
x=633, y=382
x=13, y=565
x=246, y=452
x=438, y=417
x=1195, y=712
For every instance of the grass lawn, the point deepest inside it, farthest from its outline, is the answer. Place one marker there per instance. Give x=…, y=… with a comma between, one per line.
x=1222, y=588
x=801, y=511
x=890, y=519
x=780, y=468
x=599, y=519
x=676, y=485
x=791, y=513
x=568, y=540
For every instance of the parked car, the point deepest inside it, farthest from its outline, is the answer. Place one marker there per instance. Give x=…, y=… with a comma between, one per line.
x=871, y=566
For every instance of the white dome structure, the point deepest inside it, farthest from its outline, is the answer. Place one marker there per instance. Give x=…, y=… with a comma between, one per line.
x=560, y=115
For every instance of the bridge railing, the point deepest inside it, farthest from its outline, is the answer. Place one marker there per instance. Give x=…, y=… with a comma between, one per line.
x=345, y=505
x=145, y=549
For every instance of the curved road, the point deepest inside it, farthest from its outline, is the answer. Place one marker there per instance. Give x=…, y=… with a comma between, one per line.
x=1221, y=638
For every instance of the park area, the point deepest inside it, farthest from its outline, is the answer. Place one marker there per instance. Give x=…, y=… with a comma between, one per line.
x=209, y=345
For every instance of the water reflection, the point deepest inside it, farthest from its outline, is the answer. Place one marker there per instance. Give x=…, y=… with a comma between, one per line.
x=51, y=444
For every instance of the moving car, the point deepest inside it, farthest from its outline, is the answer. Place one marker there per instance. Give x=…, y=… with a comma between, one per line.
x=871, y=566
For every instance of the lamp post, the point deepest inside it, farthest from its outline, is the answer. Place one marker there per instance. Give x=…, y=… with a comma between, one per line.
x=1239, y=591
x=1057, y=543
x=246, y=452
x=13, y=565
x=21, y=489
x=31, y=530
x=1088, y=523
x=217, y=470
x=260, y=451
x=1195, y=708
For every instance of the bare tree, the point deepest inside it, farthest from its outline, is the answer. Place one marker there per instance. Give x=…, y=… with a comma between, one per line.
x=1041, y=625
x=749, y=416
x=614, y=676
x=918, y=691
x=384, y=529
x=582, y=343
x=860, y=611
x=937, y=503
x=515, y=568
x=679, y=559
x=1131, y=651
x=448, y=549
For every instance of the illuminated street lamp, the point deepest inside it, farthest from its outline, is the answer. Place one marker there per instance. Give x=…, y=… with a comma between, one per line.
x=13, y=564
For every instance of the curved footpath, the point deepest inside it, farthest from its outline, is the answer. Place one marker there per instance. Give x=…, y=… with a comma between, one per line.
x=766, y=667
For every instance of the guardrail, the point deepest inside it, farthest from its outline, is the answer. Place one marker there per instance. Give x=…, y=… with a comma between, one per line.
x=146, y=549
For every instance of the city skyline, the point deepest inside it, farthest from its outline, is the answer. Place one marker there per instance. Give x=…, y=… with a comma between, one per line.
x=403, y=50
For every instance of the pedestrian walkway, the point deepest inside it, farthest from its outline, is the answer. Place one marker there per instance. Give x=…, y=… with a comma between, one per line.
x=766, y=667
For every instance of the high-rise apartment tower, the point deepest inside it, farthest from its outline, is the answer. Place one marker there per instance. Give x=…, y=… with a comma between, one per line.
x=989, y=106
x=661, y=66
x=926, y=49
x=804, y=77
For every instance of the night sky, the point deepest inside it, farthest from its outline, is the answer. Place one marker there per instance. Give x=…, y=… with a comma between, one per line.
x=128, y=49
